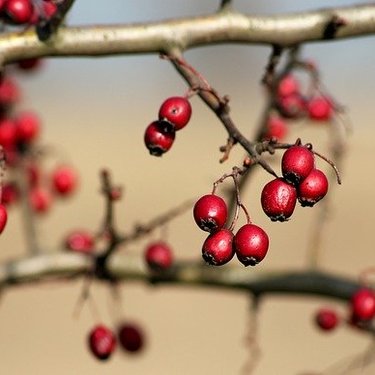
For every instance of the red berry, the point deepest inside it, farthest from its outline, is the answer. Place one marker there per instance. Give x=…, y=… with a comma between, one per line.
x=9, y=194
x=80, y=241
x=210, y=212
x=157, y=139
x=320, y=108
x=291, y=106
x=313, y=188
x=158, y=256
x=49, y=9
x=19, y=11
x=29, y=64
x=363, y=304
x=9, y=92
x=64, y=180
x=27, y=126
x=40, y=199
x=251, y=244
x=102, y=342
x=131, y=337
x=296, y=164
x=278, y=199
x=176, y=110
x=8, y=134
x=218, y=249
x=288, y=85
x=326, y=319
x=3, y=217
x=276, y=127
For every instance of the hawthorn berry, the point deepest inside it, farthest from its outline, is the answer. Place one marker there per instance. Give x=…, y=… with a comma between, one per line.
x=276, y=127
x=278, y=199
x=291, y=106
x=176, y=110
x=102, y=342
x=8, y=133
x=3, y=217
x=80, y=241
x=326, y=319
x=210, y=212
x=131, y=337
x=27, y=126
x=251, y=244
x=363, y=304
x=64, y=180
x=157, y=139
x=313, y=188
x=320, y=108
x=287, y=86
x=9, y=92
x=10, y=194
x=218, y=248
x=296, y=163
x=40, y=199
x=159, y=256
x=19, y=11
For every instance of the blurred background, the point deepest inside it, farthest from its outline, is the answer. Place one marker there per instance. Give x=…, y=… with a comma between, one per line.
x=94, y=113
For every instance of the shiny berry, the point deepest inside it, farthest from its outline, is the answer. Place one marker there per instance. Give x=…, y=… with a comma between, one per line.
x=218, y=247
x=19, y=11
x=64, y=180
x=27, y=126
x=131, y=337
x=80, y=241
x=102, y=342
x=40, y=199
x=363, y=304
x=157, y=139
x=159, y=256
x=176, y=110
x=326, y=319
x=276, y=127
x=278, y=199
x=313, y=188
x=210, y=212
x=320, y=108
x=3, y=217
x=251, y=244
x=296, y=164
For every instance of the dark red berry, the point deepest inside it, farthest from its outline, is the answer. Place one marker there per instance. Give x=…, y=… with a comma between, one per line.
x=313, y=188
x=363, y=304
x=10, y=194
x=19, y=11
x=176, y=110
x=251, y=244
x=288, y=85
x=159, y=256
x=326, y=319
x=210, y=212
x=80, y=241
x=320, y=108
x=102, y=342
x=40, y=199
x=27, y=126
x=291, y=106
x=64, y=180
x=3, y=217
x=276, y=127
x=29, y=64
x=296, y=164
x=131, y=337
x=278, y=199
x=157, y=139
x=8, y=133
x=218, y=248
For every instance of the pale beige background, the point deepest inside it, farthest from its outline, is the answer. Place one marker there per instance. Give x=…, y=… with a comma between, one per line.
x=95, y=112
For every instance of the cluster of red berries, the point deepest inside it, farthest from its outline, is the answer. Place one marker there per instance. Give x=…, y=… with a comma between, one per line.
x=361, y=310
x=26, y=12
x=250, y=243
x=301, y=180
x=102, y=340
x=174, y=114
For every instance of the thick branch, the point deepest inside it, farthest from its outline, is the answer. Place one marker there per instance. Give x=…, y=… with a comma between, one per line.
x=222, y=27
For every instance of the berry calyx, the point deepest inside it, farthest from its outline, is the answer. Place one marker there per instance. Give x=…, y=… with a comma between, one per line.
x=251, y=244
x=363, y=304
x=80, y=241
x=326, y=319
x=102, y=342
x=313, y=188
x=210, y=212
x=131, y=337
x=159, y=256
x=157, y=139
x=3, y=217
x=176, y=110
x=218, y=248
x=296, y=164
x=278, y=199
x=64, y=180
x=320, y=108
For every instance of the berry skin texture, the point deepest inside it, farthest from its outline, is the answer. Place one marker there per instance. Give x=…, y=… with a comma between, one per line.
x=326, y=319
x=313, y=188
x=102, y=342
x=278, y=199
x=176, y=110
x=19, y=11
x=64, y=180
x=363, y=305
x=296, y=164
x=3, y=217
x=159, y=256
x=320, y=108
x=251, y=244
x=218, y=248
x=157, y=139
x=131, y=338
x=210, y=212
x=80, y=241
